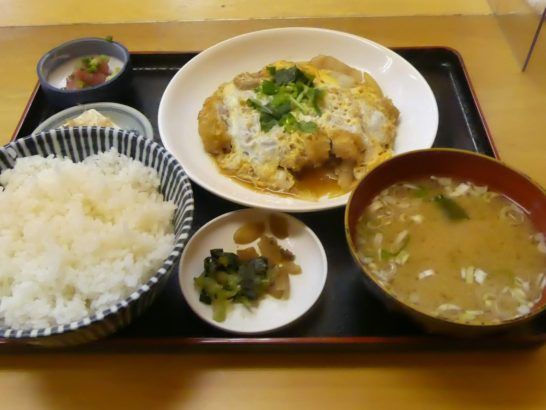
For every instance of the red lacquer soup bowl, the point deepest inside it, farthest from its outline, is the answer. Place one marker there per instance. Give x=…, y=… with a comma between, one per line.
x=461, y=165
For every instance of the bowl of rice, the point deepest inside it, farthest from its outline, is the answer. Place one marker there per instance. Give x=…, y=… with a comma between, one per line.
x=92, y=221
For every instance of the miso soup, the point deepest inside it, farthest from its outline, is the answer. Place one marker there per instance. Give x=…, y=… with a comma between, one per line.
x=454, y=250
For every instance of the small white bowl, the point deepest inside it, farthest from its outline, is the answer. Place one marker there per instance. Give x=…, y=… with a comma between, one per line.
x=271, y=313
x=125, y=117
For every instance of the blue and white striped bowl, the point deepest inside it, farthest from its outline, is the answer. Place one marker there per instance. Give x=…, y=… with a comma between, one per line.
x=77, y=144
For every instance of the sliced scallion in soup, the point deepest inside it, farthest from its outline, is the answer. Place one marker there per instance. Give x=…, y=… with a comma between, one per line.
x=454, y=250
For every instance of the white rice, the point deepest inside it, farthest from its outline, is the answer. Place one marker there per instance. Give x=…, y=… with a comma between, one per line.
x=76, y=238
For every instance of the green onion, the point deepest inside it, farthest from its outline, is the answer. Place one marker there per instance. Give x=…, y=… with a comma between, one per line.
x=420, y=192
x=260, y=107
x=299, y=105
x=289, y=123
x=385, y=254
x=315, y=95
x=267, y=122
x=285, y=75
x=450, y=208
x=269, y=88
x=309, y=126
x=290, y=90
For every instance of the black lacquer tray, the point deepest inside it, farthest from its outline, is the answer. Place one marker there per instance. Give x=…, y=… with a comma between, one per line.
x=347, y=314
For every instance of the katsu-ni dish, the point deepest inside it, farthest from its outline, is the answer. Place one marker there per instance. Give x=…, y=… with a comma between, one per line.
x=306, y=129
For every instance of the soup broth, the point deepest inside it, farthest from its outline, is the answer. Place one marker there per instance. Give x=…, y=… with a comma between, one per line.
x=454, y=250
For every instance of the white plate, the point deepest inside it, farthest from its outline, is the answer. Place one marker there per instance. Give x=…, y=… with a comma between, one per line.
x=202, y=75
x=125, y=117
x=271, y=313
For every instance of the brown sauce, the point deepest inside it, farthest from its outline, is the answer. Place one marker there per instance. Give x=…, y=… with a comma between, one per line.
x=317, y=182
x=311, y=184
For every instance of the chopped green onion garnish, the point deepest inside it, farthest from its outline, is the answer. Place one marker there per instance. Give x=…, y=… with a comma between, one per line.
x=269, y=88
x=308, y=126
x=420, y=192
x=385, y=254
x=450, y=208
x=290, y=90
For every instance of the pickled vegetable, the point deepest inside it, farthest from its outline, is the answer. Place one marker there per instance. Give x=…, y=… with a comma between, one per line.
x=246, y=276
x=278, y=226
x=270, y=249
x=249, y=232
x=280, y=288
x=246, y=254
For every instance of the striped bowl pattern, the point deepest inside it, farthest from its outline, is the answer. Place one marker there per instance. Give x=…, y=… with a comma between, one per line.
x=77, y=144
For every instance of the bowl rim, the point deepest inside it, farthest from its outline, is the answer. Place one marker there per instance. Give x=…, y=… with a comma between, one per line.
x=47, y=85
x=364, y=271
x=166, y=267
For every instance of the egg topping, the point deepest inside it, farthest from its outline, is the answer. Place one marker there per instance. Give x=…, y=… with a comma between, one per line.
x=274, y=128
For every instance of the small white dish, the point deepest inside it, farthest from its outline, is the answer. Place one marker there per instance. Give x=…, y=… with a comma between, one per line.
x=199, y=78
x=271, y=313
x=125, y=117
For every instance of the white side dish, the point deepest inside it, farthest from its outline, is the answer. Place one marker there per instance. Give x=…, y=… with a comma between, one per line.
x=123, y=116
